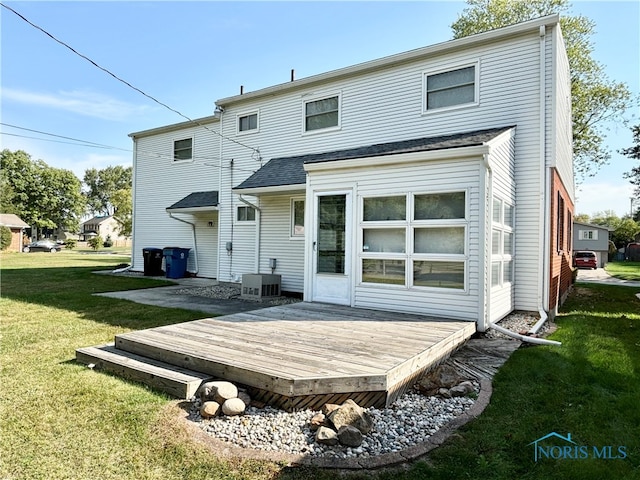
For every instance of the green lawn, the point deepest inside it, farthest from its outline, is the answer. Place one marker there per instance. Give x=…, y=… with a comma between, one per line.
x=60, y=420
x=624, y=270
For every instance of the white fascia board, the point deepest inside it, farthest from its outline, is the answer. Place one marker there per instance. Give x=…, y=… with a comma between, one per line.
x=274, y=189
x=176, y=126
x=400, y=58
x=400, y=158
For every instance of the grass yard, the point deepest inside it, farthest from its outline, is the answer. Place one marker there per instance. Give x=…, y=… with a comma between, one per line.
x=624, y=270
x=60, y=420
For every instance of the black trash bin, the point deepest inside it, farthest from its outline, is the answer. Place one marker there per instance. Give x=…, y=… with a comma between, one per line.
x=152, y=262
x=175, y=260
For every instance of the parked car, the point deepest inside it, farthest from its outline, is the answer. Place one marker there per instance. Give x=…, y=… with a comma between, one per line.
x=42, y=246
x=585, y=259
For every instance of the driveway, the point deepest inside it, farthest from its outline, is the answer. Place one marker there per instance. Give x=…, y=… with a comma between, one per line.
x=599, y=275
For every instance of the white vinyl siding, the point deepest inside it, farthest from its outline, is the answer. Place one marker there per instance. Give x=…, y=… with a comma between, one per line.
x=159, y=182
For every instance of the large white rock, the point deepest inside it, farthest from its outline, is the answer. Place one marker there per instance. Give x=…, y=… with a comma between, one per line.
x=233, y=406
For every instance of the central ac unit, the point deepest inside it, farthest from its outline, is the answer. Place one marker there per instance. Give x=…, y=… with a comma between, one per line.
x=256, y=286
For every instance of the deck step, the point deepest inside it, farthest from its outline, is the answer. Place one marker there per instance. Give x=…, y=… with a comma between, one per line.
x=176, y=381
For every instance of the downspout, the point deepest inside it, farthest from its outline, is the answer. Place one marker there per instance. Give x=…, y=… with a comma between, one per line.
x=544, y=239
x=485, y=228
x=258, y=229
x=220, y=137
x=524, y=338
x=133, y=200
x=195, y=243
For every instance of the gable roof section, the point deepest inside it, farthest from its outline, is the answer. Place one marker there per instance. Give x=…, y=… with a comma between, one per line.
x=196, y=201
x=97, y=219
x=12, y=220
x=458, y=44
x=283, y=173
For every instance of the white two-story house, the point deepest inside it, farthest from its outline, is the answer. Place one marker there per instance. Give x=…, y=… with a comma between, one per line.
x=436, y=181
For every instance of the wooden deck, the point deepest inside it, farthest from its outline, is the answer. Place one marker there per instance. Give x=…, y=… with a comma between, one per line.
x=307, y=354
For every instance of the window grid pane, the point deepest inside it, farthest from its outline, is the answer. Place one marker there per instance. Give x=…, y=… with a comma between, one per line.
x=383, y=271
x=441, y=240
x=438, y=274
x=384, y=240
x=384, y=209
x=440, y=206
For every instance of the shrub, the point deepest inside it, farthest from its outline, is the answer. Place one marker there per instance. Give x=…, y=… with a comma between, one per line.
x=108, y=242
x=95, y=242
x=5, y=237
x=70, y=243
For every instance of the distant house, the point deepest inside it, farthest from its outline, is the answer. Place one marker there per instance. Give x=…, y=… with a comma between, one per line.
x=17, y=227
x=594, y=238
x=104, y=226
x=436, y=181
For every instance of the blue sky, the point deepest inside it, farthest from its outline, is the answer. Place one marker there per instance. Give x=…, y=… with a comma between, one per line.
x=188, y=54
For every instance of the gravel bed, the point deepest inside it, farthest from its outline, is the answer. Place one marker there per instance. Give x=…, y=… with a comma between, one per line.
x=518, y=322
x=409, y=421
x=228, y=292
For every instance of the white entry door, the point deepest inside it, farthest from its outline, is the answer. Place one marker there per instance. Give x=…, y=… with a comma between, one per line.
x=331, y=248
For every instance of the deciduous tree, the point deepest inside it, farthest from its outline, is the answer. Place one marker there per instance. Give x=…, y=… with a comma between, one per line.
x=596, y=100
x=103, y=185
x=633, y=176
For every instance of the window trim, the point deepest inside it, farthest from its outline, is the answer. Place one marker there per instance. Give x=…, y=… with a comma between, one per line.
x=315, y=98
x=292, y=234
x=451, y=68
x=173, y=151
x=248, y=114
x=245, y=222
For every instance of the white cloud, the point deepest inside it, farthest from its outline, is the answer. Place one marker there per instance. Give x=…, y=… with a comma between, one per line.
x=594, y=197
x=87, y=103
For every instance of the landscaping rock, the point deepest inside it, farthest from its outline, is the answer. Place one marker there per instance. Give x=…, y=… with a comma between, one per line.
x=327, y=408
x=350, y=413
x=444, y=393
x=443, y=376
x=233, y=406
x=464, y=388
x=209, y=409
x=223, y=391
x=349, y=436
x=318, y=420
x=244, y=396
x=326, y=436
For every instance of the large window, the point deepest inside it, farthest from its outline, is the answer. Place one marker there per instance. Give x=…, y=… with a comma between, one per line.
x=502, y=243
x=322, y=113
x=415, y=240
x=450, y=88
x=183, y=149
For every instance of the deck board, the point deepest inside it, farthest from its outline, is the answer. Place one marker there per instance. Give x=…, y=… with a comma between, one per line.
x=306, y=349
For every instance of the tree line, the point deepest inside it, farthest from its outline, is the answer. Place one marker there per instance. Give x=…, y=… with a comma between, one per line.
x=48, y=198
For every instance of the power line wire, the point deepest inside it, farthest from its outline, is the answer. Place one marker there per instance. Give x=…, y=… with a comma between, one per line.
x=108, y=72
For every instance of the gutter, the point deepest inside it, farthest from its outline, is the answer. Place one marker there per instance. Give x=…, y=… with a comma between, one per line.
x=195, y=242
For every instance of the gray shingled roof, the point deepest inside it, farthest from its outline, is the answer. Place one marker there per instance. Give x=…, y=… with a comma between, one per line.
x=196, y=200
x=290, y=170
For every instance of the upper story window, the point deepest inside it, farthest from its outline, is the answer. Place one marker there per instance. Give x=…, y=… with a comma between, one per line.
x=322, y=113
x=183, y=149
x=248, y=122
x=451, y=88
x=588, y=234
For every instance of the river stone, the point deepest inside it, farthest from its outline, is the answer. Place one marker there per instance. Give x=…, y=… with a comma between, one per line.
x=223, y=391
x=244, y=396
x=233, y=406
x=443, y=376
x=318, y=420
x=326, y=436
x=349, y=436
x=350, y=413
x=462, y=389
x=209, y=409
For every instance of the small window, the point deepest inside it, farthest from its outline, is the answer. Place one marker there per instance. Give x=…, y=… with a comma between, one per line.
x=440, y=206
x=323, y=113
x=297, y=218
x=448, y=89
x=247, y=123
x=183, y=149
x=383, y=209
x=246, y=214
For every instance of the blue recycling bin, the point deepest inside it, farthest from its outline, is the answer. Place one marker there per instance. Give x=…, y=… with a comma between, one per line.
x=175, y=259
